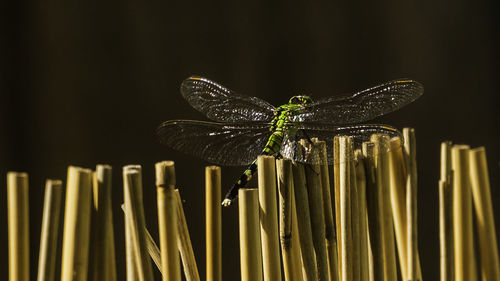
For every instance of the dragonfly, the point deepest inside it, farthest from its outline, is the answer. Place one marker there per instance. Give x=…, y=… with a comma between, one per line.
x=246, y=127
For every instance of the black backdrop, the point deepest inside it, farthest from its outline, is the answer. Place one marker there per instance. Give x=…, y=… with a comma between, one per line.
x=87, y=82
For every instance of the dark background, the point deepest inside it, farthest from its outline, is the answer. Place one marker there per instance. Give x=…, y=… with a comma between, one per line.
x=87, y=82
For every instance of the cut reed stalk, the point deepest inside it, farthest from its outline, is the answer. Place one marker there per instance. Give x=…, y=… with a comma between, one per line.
x=382, y=166
x=184, y=243
x=462, y=214
x=336, y=187
x=330, y=235
x=315, y=197
x=284, y=174
x=18, y=224
x=269, y=218
x=298, y=272
x=446, y=215
x=374, y=212
x=104, y=245
x=356, y=255
x=76, y=235
x=213, y=230
x=132, y=185
x=52, y=205
x=250, y=251
x=167, y=220
x=304, y=223
x=363, y=231
x=345, y=158
x=488, y=247
x=410, y=146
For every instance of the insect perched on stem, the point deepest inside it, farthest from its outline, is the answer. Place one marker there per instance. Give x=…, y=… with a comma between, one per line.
x=248, y=126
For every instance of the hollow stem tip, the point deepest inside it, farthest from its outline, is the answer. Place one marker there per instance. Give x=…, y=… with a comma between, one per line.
x=165, y=174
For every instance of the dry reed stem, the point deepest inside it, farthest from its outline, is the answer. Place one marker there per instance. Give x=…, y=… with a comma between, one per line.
x=363, y=223
x=355, y=223
x=410, y=146
x=304, y=223
x=269, y=218
x=213, y=229
x=184, y=243
x=488, y=247
x=52, y=204
x=134, y=208
x=374, y=212
x=446, y=215
x=382, y=165
x=284, y=174
x=76, y=235
x=167, y=220
x=345, y=158
x=298, y=272
x=330, y=235
x=103, y=239
x=462, y=214
x=336, y=187
x=250, y=251
x=18, y=226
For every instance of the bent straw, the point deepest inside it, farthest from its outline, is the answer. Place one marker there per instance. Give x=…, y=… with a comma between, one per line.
x=76, y=233
x=304, y=222
x=167, y=220
x=446, y=214
x=268, y=218
x=488, y=247
x=132, y=183
x=18, y=224
x=213, y=229
x=104, y=245
x=330, y=235
x=52, y=204
x=462, y=214
x=250, y=251
x=315, y=196
x=184, y=243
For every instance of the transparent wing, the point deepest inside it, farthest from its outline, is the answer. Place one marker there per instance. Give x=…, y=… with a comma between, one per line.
x=326, y=132
x=222, y=144
x=363, y=106
x=222, y=104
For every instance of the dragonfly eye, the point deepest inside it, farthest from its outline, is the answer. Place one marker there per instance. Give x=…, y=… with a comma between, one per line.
x=300, y=100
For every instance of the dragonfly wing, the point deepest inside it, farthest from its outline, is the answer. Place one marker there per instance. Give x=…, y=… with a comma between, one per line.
x=221, y=144
x=363, y=106
x=222, y=104
x=326, y=132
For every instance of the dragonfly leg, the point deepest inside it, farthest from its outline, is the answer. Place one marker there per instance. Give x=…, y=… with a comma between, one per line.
x=306, y=135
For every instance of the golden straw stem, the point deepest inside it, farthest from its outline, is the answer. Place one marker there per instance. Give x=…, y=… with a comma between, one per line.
x=363, y=223
x=374, y=212
x=167, y=220
x=345, y=157
x=488, y=247
x=304, y=223
x=462, y=214
x=76, y=235
x=382, y=164
x=355, y=223
x=18, y=224
x=284, y=171
x=184, y=243
x=446, y=215
x=104, y=245
x=250, y=251
x=52, y=204
x=213, y=230
x=336, y=187
x=269, y=218
x=132, y=183
x=410, y=146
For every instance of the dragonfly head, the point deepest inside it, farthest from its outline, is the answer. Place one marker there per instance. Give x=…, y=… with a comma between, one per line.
x=300, y=100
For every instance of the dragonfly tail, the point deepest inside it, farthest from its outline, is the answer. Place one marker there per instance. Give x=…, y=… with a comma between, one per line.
x=232, y=194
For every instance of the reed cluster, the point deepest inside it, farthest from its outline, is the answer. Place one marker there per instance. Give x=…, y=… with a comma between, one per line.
x=300, y=224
